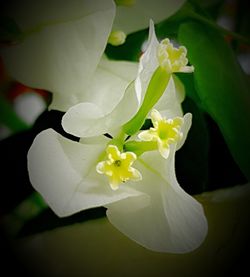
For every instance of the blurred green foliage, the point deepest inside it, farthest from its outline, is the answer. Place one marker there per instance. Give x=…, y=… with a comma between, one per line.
x=221, y=86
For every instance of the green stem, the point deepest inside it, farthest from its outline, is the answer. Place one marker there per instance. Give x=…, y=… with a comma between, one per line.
x=139, y=147
x=156, y=88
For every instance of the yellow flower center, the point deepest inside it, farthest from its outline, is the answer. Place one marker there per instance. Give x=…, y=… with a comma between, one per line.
x=168, y=129
x=164, y=132
x=118, y=167
x=173, y=59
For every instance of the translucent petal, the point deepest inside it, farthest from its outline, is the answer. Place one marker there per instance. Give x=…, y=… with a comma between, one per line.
x=88, y=119
x=185, y=129
x=141, y=11
x=180, y=89
x=169, y=104
x=173, y=222
x=64, y=173
x=105, y=88
x=148, y=63
x=109, y=83
x=62, y=57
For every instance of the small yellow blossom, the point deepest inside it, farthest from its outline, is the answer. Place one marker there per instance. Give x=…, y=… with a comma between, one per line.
x=173, y=59
x=118, y=167
x=165, y=132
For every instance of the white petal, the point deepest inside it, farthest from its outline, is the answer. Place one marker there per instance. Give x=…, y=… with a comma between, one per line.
x=185, y=129
x=125, y=70
x=64, y=173
x=136, y=17
x=109, y=83
x=62, y=57
x=173, y=222
x=180, y=89
x=105, y=88
x=32, y=15
x=87, y=119
x=169, y=104
x=148, y=63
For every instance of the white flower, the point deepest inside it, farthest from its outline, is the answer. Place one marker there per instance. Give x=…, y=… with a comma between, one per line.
x=154, y=211
x=97, y=171
x=128, y=177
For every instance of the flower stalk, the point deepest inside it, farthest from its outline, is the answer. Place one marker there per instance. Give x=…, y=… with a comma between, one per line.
x=155, y=90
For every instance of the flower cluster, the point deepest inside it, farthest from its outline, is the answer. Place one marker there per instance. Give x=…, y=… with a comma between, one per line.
x=114, y=164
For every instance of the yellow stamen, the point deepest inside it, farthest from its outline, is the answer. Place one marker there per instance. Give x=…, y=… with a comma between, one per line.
x=118, y=167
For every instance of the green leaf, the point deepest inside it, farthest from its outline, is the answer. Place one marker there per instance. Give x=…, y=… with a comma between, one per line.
x=188, y=81
x=221, y=86
x=192, y=162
